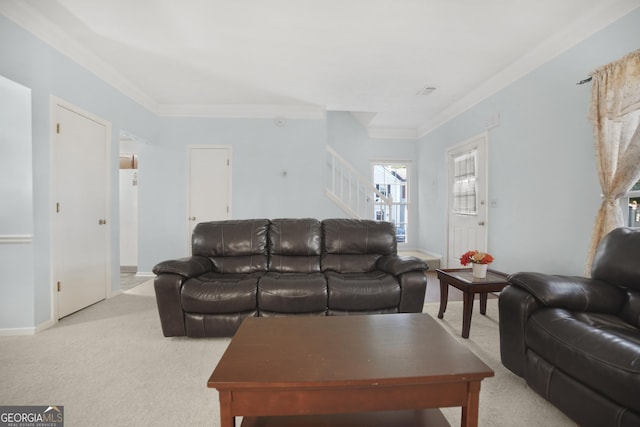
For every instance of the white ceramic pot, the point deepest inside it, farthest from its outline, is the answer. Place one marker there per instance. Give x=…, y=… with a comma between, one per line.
x=479, y=271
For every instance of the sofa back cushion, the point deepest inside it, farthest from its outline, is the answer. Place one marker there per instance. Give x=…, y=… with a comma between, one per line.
x=294, y=245
x=234, y=246
x=616, y=259
x=355, y=245
x=616, y=262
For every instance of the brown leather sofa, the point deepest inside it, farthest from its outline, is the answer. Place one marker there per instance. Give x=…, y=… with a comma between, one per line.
x=283, y=267
x=576, y=340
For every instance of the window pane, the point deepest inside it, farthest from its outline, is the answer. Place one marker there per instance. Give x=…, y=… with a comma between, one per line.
x=464, y=184
x=390, y=179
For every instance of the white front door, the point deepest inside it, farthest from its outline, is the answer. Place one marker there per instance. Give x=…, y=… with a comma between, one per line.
x=209, y=186
x=467, y=198
x=81, y=255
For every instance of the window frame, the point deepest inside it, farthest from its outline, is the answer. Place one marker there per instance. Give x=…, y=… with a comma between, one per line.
x=401, y=221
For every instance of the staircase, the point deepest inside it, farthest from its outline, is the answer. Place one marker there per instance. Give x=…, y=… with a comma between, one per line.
x=353, y=192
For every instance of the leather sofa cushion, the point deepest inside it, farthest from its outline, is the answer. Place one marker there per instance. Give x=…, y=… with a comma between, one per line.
x=220, y=293
x=616, y=258
x=294, y=245
x=601, y=350
x=292, y=293
x=199, y=325
x=240, y=264
x=295, y=236
x=354, y=246
x=244, y=240
x=362, y=291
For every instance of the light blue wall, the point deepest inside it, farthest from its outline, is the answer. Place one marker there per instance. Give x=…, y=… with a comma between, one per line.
x=16, y=205
x=542, y=171
x=261, y=152
x=32, y=63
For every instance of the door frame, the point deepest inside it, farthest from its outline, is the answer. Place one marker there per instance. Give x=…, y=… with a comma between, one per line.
x=483, y=137
x=55, y=102
x=190, y=147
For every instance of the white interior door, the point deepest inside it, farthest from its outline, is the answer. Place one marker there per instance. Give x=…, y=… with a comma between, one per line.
x=467, y=198
x=81, y=254
x=209, y=186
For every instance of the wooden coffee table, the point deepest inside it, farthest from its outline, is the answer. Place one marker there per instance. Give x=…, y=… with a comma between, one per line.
x=463, y=279
x=312, y=367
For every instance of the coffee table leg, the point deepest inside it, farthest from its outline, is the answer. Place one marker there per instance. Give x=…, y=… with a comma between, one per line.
x=472, y=408
x=467, y=311
x=226, y=418
x=483, y=303
x=444, y=297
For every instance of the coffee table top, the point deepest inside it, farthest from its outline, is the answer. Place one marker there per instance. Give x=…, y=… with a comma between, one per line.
x=343, y=351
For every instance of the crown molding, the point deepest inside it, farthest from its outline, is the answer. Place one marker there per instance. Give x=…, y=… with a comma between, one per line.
x=33, y=21
x=585, y=27
x=266, y=111
x=392, y=133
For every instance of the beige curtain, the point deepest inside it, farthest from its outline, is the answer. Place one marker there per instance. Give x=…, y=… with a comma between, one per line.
x=615, y=113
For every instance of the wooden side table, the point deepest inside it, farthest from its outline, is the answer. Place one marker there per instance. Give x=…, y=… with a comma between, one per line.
x=462, y=278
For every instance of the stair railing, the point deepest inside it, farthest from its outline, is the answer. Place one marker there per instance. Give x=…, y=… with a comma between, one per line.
x=352, y=191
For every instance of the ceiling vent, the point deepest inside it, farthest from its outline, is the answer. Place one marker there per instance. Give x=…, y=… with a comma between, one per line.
x=427, y=90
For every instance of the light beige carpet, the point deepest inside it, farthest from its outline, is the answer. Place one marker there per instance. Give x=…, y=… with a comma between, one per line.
x=109, y=365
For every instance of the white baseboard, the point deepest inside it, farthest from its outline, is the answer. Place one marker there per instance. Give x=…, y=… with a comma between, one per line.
x=10, y=332
x=145, y=274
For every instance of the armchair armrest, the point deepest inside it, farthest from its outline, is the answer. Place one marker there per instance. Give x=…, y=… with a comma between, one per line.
x=570, y=292
x=186, y=267
x=397, y=265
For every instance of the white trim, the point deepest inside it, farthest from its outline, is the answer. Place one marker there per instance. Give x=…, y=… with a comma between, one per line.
x=11, y=332
x=33, y=21
x=603, y=16
x=15, y=238
x=392, y=133
x=145, y=274
x=242, y=111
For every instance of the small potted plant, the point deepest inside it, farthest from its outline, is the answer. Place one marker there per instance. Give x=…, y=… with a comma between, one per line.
x=479, y=262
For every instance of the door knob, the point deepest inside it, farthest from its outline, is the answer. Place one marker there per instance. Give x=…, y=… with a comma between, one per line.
x=481, y=223
x=192, y=218
x=102, y=221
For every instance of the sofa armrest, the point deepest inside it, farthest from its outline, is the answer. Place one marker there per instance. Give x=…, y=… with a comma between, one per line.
x=397, y=265
x=570, y=292
x=515, y=306
x=186, y=267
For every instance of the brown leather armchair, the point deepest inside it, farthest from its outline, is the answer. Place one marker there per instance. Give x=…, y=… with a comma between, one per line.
x=576, y=340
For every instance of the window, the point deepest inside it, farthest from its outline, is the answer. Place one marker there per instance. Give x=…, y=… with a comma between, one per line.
x=391, y=181
x=464, y=184
x=633, y=202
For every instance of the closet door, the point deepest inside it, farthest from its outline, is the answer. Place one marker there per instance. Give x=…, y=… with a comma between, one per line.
x=209, y=186
x=81, y=229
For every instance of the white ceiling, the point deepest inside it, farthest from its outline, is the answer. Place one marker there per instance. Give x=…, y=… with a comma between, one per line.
x=299, y=58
